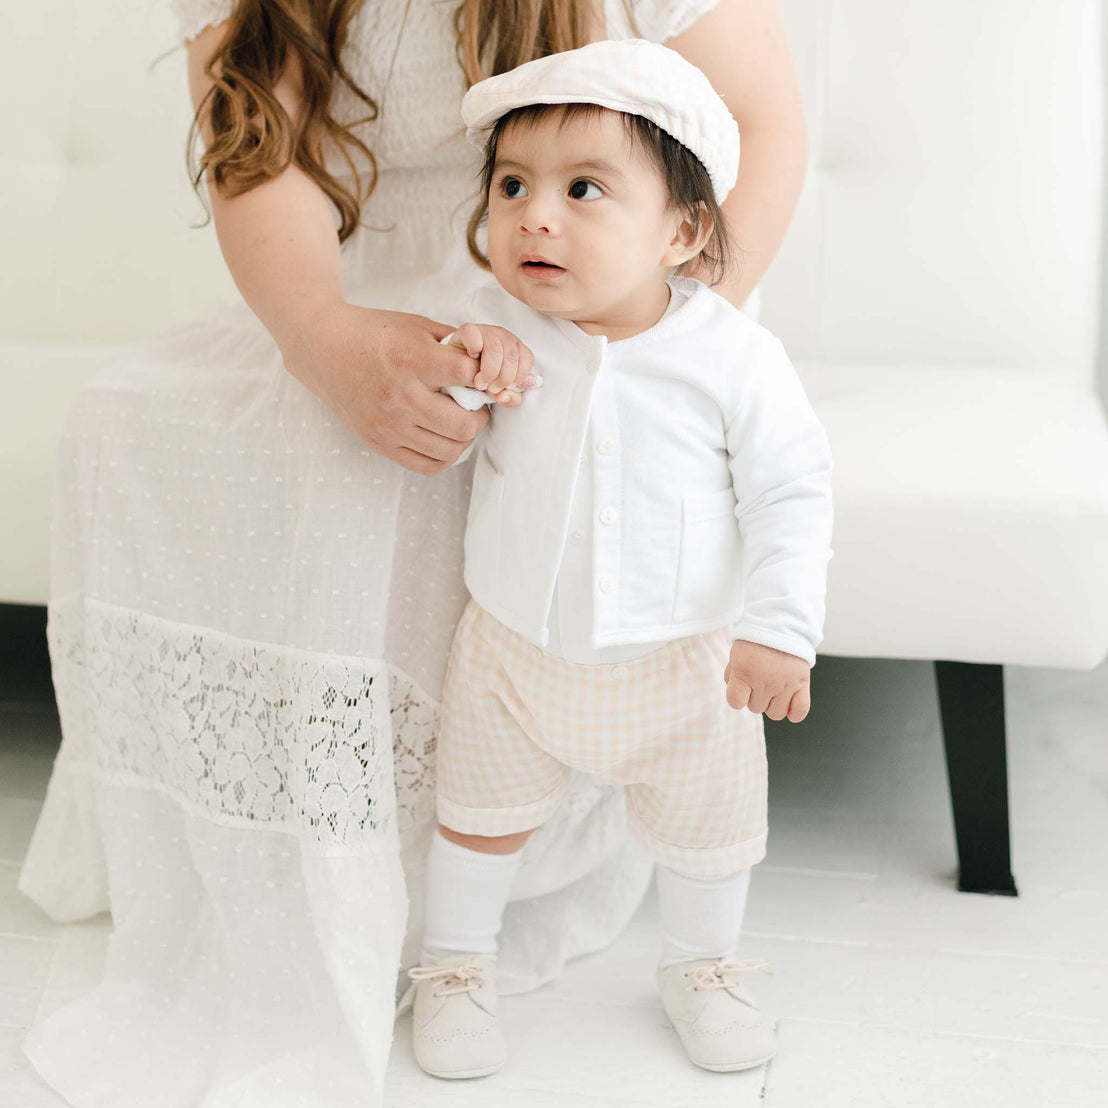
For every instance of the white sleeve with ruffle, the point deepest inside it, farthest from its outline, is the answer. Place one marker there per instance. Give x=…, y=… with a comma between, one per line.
x=194, y=15
x=657, y=20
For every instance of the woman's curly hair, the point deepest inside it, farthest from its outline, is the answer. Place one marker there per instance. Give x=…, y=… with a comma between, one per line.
x=253, y=138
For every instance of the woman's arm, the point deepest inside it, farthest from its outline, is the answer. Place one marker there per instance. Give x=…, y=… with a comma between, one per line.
x=281, y=227
x=379, y=371
x=741, y=46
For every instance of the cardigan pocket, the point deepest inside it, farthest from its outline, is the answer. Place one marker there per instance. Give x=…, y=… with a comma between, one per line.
x=708, y=567
x=483, y=537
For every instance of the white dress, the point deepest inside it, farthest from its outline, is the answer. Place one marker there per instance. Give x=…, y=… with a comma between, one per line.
x=249, y=620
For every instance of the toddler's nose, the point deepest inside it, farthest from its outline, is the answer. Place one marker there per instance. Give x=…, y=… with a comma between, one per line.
x=540, y=215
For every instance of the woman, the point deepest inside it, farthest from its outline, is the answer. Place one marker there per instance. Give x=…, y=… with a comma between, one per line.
x=256, y=568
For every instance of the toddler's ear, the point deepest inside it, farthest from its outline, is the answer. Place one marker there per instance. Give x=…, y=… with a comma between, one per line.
x=690, y=236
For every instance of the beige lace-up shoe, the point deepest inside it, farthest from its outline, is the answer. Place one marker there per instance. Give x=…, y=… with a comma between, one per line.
x=716, y=1018
x=455, y=1032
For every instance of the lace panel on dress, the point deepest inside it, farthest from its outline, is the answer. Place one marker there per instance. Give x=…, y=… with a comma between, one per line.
x=244, y=732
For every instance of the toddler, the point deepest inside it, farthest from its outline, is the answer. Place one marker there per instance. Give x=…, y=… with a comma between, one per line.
x=647, y=541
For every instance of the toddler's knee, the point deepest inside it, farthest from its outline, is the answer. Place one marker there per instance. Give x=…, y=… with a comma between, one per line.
x=487, y=844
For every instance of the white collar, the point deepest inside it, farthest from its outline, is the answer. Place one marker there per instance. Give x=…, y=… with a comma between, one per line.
x=684, y=317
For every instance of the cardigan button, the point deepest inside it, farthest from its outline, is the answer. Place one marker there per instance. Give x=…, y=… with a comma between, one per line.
x=605, y=584
x=609, y=514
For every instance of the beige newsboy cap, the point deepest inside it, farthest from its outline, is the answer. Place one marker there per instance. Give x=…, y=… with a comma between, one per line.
x=626, y=75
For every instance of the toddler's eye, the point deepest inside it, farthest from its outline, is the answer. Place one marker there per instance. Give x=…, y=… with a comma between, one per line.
x=513, y=188
x=579, y=190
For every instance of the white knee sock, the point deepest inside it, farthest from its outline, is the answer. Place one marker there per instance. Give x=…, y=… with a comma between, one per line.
x=701, y=916
x=466, y=895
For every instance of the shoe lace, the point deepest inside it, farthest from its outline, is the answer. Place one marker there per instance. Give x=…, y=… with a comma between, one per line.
x=724, y=973
x=462, y=977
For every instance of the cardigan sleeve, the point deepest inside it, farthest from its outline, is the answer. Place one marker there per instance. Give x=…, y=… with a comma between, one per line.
x=780, y=463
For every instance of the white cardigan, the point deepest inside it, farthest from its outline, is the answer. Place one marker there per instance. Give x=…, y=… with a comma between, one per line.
x=711, y=475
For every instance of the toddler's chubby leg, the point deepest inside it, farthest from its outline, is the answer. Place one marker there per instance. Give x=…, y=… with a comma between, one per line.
x=713, y=1012
x=487, y=844
x=455, y=1032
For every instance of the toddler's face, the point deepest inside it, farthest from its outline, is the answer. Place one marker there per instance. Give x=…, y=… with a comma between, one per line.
x=580, y=226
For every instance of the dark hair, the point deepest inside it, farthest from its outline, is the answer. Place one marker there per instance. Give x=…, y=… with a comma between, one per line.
x=686, y=181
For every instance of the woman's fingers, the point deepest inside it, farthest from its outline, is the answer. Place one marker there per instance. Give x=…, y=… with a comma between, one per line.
x=435, y=365
x=424, y=429
x=440, y=415
x=412, y=460
x=423, y=451
x=435, y=448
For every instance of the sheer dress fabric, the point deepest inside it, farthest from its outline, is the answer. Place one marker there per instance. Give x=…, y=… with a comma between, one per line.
x=249, y=621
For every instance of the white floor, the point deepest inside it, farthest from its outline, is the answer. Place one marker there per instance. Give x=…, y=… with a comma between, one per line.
x=890, y=988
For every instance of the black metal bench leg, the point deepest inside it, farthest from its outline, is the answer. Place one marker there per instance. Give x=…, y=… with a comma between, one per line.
x=971, y=703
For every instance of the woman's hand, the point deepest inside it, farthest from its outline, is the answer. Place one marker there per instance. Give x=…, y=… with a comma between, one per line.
x=380, y=373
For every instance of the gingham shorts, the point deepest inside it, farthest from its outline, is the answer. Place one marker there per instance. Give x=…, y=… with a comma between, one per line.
x=517, y=721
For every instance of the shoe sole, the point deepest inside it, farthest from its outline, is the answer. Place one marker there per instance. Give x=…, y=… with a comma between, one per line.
x=734, y=1068
x=461, y=1075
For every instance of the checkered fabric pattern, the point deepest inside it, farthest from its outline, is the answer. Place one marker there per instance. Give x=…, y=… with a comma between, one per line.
x=517, y=721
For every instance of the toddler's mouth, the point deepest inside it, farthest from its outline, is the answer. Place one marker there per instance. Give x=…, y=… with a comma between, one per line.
x=539, y=268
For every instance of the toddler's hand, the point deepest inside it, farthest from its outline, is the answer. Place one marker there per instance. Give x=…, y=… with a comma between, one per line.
x=506, y=364
x=762, y=679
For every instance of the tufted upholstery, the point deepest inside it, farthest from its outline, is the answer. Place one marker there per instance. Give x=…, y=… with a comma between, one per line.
x=938, y=290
